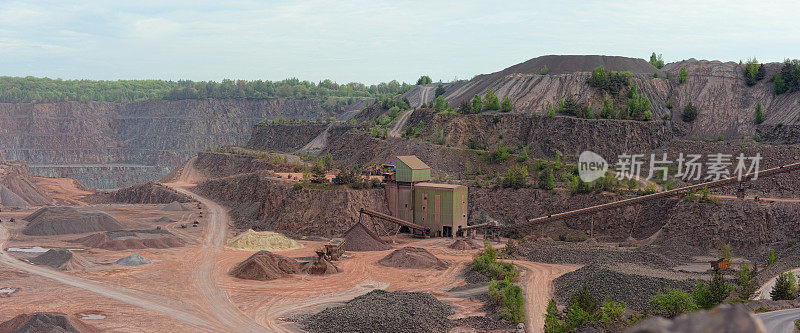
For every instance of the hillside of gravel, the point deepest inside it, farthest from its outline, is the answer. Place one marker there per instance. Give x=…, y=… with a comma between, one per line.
x=555, y=252
x=147, y=193
x=634, y=290
x=381, y=311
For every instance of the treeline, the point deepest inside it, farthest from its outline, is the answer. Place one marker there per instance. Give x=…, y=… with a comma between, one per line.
x=45, y=90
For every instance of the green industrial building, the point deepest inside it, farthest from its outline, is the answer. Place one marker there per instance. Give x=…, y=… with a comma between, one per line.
x=412, y=198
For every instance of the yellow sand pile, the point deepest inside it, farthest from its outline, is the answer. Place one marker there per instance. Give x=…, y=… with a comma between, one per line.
x=263, y=240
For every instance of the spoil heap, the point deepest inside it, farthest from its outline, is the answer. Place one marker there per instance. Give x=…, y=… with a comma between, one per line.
x=265, y=266
x=61, y=259
x=412, y=257
x=359, y=238
x=462, y=244
x=175, y=207
x=383, y=311
x=11, y=199
x=49, y=221
x=322, y=267
x=131, y=239
x=165, y=219
x=46, y=322
x=133, y=260
x=263, y=240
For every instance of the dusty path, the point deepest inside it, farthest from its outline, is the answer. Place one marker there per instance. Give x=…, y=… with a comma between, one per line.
x=158, y=304
x=217, y=302
x=400, y=123
x=537, y=284
x=781, y=321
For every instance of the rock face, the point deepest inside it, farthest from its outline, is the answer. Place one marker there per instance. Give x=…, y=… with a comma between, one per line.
x=133, y=142
x=723, y=318
x=264, y=203
x=284, y=137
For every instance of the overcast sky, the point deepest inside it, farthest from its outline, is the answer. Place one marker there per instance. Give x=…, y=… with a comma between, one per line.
x=371, y=41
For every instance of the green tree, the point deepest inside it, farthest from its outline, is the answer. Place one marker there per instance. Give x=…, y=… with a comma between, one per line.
x=506, y=106
x=672, y=303
x=477, y=104
x=702, y=296
x=490, y=101
x=547, y=181
x=753, y=72
x=785, y=287
x=424, y=80
x=656, y=61
x=439, y=90
x=682, y=75
x=584, y=298
x=780, y=84
x=719, y=288
x=544, y=70
x=318, y=172
x=689, y=113
x=608, y=109
x=440, y=104
x=515, y=177
x=746, y=284
x=759, y=114
x=552, y=323
x=726, y=252
x=772, y=257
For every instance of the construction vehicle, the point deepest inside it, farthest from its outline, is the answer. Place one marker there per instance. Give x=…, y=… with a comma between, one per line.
x=386, y=170
x=719, y=264
x=333, y=250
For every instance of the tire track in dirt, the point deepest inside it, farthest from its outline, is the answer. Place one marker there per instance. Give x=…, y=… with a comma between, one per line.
x=158, y=304
x=217, y=302
x=537, y=283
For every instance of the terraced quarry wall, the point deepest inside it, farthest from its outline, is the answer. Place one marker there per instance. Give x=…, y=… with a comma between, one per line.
x=115, y=145
x=284, y=137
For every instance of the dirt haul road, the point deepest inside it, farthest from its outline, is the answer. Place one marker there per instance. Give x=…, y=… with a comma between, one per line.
x=537, y=284
x=217, y=302
x=158, y=304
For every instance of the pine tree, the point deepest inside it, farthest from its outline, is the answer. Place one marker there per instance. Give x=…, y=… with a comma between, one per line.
x=682, y=75
x=785, y=287
x=506, y=106
x=759, y=114
x=477, y=104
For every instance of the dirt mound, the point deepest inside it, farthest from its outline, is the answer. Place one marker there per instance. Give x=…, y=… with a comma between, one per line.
x=16, y=178
x=147, y=193
x=265, y=266
x=412, y=257
x=263, y=240
x=68, y=220
x=54, y=322
x=128, y=240
x=132, y=260
x=52, y=258
x=8, y=198
x=322, y=267
x=175, y=207
x=563, y=64
x=383, y=311
x=359, y=238
x=464, y=244
x=165, y=219
x=61, y=259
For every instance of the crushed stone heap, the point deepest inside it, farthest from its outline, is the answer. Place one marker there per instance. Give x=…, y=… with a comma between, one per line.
x=265, y=266
x=263, y=240
x=412, y=257
x=359, y=238
x=50, y=221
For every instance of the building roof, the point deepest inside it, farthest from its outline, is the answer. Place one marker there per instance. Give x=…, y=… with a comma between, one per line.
x=440, y=186
x=413, y=162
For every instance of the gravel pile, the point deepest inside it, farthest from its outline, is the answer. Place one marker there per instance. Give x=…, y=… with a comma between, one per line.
x=175, y=207
x=383, y=311
x=53, y=258
x=46, y=322
x=634, y=290
x=548, y=251
x=263, y=240
x=50, y=221
x=465, y=244
x=264, y=266
x=359, y=238
x=485, y=323
x=412, y=257
x=133, y=260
